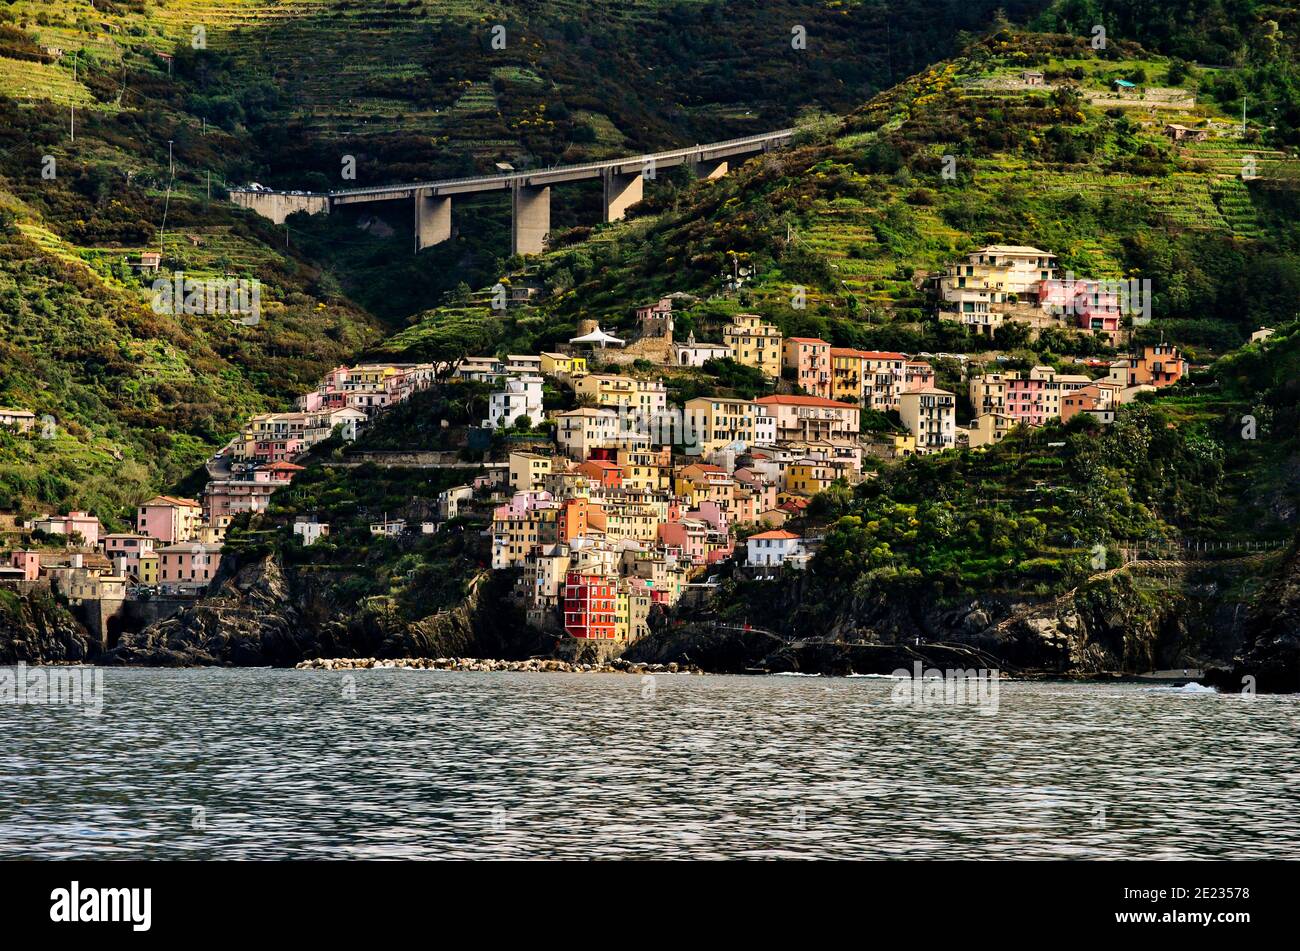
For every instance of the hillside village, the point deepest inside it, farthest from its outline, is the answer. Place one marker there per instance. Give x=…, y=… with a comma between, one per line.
x=624, y=503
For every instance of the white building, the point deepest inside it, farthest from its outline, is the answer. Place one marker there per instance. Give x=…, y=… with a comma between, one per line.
x=522, y=396
x=692, y=354
x=310, y=530
x=772, y=549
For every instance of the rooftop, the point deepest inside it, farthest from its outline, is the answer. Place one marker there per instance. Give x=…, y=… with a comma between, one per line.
x=802, y=401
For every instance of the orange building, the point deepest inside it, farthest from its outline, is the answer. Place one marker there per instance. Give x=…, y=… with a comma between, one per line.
x=1160, y=365
x=602, y=472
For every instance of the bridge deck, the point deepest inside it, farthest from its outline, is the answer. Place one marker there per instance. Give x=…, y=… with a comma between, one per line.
x=626, y=165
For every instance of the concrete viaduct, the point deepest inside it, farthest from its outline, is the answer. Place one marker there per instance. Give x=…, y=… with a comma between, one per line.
x=530, y=192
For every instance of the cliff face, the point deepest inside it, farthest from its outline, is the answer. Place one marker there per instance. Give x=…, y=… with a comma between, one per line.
x=1127, y=623
x=1271, y=653
x=36, y=629
x=263, y=615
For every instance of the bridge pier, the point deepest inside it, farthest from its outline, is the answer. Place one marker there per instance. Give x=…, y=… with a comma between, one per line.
x=530, y=218
x=432, y=219
x=621, y=191
x=711, y=168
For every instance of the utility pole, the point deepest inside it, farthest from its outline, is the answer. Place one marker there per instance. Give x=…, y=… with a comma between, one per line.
x=74, y=94
x=171, y=164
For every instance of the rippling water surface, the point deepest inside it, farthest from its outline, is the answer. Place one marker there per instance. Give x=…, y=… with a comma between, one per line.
x=431, y=764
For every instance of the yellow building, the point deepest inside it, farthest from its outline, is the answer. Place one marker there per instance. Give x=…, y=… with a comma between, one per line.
x=989, y=428
x=649, y=397
x=528, y=469
x=988, y=393
x=701, y=482
x=563, y=365
x=631, y=520
x=148, y=569
x=902, y=444
x=647, y=470
x=848, y=370
x=581, y=430
x=715, y=422
x=754, y=343
x=807, y=477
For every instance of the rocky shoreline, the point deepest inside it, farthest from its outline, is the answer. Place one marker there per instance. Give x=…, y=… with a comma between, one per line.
x=532, y=666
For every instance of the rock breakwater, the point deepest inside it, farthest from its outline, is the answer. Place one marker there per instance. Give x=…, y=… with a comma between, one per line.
x=534, y=665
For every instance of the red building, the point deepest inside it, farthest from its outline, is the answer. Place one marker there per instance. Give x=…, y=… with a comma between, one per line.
x=589, y=606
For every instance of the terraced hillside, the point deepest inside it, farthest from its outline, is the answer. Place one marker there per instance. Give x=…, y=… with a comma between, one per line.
x=867, y=208
x=429, y=88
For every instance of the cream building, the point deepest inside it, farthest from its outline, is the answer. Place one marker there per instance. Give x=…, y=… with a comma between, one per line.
x=581, y=430
x=715, y=422
x=931, y=416
x=754, y=343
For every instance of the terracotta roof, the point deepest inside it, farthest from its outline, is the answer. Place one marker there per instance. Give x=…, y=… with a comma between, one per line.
x=808, y=340
x=775, y=533
x=867, y=354
x=802, y=401
x=171, y=500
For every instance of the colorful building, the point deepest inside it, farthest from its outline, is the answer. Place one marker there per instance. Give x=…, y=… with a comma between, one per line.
x=169, y=519
x=590, y=605
x=813, y=418
x=188, y=564
x=810, y=360
x=755, y=343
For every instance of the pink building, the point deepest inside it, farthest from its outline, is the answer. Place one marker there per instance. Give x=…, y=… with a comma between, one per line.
x=695, y=541
x=312, y=402
x=235, y=496
x=1088, y=304
x=279, y=473
x=917, y=375
x=128, y=549
x=1027, y=400
x=74, y=523
x=279, y=450
x=711, y=514
x=521, y=503
x=29, y=562
x=168, y=519
x=188, y=563
x=687, y=537
x=810, y=358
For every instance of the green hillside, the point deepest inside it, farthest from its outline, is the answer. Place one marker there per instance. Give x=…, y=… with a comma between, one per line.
x=862, y=211
x=118, y=136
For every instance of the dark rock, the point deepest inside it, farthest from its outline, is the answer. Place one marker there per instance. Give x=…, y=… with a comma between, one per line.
x=37, y=629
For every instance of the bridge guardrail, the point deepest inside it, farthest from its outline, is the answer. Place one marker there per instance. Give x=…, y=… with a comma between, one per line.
x=519, y=176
